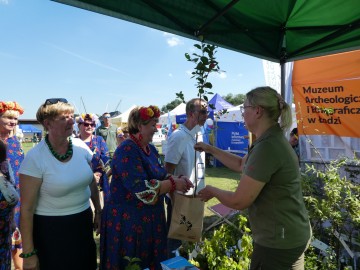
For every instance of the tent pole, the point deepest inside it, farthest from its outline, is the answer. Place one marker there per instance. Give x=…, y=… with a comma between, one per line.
x=282, y=78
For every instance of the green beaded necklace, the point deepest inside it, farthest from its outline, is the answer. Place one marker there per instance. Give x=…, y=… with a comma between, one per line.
x=68, y=153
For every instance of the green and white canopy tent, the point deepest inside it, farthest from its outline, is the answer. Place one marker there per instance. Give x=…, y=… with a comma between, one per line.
x=276, y=30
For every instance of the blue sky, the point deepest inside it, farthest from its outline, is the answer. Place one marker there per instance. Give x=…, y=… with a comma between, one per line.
x=49, y=49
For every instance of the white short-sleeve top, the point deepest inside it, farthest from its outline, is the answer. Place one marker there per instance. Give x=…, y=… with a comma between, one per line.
x=65, y=185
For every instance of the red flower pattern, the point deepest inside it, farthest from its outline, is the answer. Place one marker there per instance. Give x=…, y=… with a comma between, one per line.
x=126, y=216
x=130, y=233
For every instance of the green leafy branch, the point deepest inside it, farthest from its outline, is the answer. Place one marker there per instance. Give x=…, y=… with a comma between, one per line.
x=205, y=64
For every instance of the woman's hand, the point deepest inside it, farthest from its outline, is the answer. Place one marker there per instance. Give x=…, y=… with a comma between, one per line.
x=183, y=183
x=202, y=147
x=31, y=263
x=206, y=193
x=97, y=221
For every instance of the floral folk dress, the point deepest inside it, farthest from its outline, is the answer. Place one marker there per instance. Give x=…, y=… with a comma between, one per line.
x=100, y=158
x=15, y=155
x=133, y=221
x=5, y=233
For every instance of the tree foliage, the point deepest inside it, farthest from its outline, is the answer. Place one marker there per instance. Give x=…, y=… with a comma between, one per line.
x=205, y=63
x=333, y=202
x=235, y=99
x=171, y=105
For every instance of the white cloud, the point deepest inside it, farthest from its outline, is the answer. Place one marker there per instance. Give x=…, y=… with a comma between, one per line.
x=170, y=75
x=222, y=75
x=240, y=75
x=4, y=2
x=172, y=40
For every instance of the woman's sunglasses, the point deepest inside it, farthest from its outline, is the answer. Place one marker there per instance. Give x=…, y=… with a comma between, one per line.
x=51, y=101
x=88, y=125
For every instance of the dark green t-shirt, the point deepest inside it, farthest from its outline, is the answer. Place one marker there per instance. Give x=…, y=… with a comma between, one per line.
x=278, y=216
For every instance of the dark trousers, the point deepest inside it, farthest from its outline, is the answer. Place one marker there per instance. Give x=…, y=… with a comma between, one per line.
x=65, y=242
x=172, y=244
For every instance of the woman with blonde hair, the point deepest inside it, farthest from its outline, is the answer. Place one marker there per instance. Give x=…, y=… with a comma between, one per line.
x=133, y=222
x=56, y=183
x=9, y=117
x=270, y=184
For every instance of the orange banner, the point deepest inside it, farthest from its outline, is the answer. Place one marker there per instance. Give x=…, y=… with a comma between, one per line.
x=327, y=95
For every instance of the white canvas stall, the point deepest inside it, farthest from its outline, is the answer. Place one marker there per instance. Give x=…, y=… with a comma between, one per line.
x=180, y=109
x=122, y=118
x=232, y=115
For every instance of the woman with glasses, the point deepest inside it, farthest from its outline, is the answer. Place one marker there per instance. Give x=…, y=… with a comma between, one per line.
x=9, y=115
x=100, y=161
x=56, y=182
x=270, y=184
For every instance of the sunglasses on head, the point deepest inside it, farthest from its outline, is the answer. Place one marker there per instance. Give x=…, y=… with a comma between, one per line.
x=51, y=101
x=88, y=125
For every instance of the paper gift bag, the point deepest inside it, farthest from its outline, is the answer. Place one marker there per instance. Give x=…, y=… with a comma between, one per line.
x=187, y=218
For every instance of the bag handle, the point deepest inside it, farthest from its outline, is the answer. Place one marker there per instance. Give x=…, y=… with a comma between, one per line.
x=196, y=172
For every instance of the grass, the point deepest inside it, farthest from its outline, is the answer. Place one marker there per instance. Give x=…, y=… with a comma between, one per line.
x=222, y=178
x=219, y=177
x=27, y=146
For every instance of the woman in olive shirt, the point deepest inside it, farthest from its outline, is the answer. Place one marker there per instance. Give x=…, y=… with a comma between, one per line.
x=270, y=184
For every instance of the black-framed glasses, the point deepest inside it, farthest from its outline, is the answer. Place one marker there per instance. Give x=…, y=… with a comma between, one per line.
x=88, y=125
x=242, y=109
x=51, y=101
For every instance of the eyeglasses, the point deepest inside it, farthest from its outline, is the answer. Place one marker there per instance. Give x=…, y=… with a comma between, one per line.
x=51, y=101
x=88, y=125
x=204, y=112
x=107, y=117
x=242, y=109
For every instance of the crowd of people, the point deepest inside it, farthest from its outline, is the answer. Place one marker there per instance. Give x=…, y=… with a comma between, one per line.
x=110, y=181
